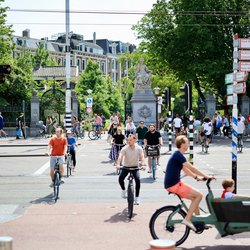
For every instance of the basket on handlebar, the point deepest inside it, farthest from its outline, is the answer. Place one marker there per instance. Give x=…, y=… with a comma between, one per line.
x=152, y=151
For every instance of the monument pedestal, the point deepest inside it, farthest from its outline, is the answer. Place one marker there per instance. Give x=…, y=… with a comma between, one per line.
x=143, y=106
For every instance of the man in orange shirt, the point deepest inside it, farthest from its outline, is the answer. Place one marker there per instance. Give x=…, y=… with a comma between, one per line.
x=57, y=148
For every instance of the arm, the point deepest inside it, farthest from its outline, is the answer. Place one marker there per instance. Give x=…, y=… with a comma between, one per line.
x=119, y=160
x=192, y=171
x=160, y=141
x=142, y=159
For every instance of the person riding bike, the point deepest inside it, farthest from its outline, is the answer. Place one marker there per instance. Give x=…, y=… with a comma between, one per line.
x=206, y=129
x=130, y=155
x=152, y=138
x=72, y=144
x=97, y=122
x=57, y=147
x=141, y=130
x=173, y=184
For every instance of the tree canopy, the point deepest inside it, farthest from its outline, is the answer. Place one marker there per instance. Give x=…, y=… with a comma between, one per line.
x=194, y=39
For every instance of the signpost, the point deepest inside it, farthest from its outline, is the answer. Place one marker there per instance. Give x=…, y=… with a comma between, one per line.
x=244, y=43
x=240, y=88
x=89, y=102
x=244, y=66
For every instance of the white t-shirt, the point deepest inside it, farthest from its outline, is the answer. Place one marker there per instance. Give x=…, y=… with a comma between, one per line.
x=207, y=126
x=229, y=195
x=177, y=122
x=241, y=127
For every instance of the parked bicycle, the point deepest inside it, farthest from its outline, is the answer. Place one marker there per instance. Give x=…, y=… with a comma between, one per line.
x=153, y=151
x=240, y=142
x=229, y=216
x=95, y=134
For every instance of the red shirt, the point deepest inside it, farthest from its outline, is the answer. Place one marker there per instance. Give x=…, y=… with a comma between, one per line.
x=58, y=146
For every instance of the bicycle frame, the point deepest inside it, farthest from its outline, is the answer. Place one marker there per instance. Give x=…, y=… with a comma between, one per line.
x=223, y=223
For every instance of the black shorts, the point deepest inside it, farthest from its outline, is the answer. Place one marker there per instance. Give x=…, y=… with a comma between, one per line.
x=178, y=129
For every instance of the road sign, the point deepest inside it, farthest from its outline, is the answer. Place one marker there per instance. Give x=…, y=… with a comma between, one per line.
x=229, y=78
x=244, y=66
x=240, y=76
x=244, y=55
x=230, y=89
x=231, y=100
x=240, y=88
x=244, y=43
x=89, y=102
x=88, y=110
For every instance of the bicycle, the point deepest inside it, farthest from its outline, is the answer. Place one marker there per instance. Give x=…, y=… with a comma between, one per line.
x=204, y=142
x=95, y=134
x=57, y=180
x=130, y=190
x=69, y=162
x=229, y=216
x=119, y=146
x=153, y=151
x=240, y=142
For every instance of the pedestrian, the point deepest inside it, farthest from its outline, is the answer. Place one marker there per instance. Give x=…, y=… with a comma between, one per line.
x=131, y=155
x=1, y=126
x=229, y=186
x=49, y=125
x=173, y=183
x=141, y=130
x=20, y=126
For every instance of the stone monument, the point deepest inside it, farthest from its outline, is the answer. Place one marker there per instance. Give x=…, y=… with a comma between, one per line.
x=35, y=113
x=143, y=100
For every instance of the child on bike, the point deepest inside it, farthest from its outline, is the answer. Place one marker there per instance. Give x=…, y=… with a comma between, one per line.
x=229, y=186
x=71, y=147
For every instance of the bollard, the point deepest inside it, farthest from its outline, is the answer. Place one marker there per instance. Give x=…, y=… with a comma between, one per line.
x=162, y=244
x=5, y=243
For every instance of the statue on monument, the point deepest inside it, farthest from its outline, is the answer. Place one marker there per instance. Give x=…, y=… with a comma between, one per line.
x=142, y=76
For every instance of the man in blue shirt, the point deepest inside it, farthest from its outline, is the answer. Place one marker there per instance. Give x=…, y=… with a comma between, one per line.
x=173, y=184
x=72, y=144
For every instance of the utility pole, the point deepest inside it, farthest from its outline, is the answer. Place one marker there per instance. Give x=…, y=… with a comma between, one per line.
x=67, y=50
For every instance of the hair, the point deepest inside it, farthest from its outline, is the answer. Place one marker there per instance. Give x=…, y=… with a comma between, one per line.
x=59, y=129
x=132, y=135
x=206, y=119
x=181, y=139
x=227, y=183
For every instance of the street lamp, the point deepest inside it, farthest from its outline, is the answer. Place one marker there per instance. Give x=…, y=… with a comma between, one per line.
x=157, y=93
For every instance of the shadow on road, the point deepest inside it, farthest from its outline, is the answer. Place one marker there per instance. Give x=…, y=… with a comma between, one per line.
x=44, y=200
x=147, y=180
x=120, y=217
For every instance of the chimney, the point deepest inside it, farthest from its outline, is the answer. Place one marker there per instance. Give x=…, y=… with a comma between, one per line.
x=26, y=33
x=94, y=37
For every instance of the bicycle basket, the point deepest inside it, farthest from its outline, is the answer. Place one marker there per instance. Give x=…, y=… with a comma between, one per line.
x=152, y=151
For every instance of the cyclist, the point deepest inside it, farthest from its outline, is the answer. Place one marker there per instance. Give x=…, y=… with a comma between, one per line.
x=152, y=137
x=72, y=144
x=173, y=184
x=130, y=127
x=97, y=122
x=141, y=130
x=206, y=129
x=241, y=128
x=57, y=147
x=130, y=155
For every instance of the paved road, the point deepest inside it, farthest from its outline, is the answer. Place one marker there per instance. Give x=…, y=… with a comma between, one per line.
x=90, y=213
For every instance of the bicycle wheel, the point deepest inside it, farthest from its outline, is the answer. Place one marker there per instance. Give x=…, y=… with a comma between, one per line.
x=240, y=145
x=68, y=167
x=160, y=229
x=202, y=146
x=92, y=135
x=130, y=200
x=56, y=186
x=206, y=146
x=153, y=167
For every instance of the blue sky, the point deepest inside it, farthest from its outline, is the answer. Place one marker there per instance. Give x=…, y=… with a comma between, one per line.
x=24, y=20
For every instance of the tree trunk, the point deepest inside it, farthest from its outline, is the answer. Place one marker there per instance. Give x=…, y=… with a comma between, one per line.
x=198, y=87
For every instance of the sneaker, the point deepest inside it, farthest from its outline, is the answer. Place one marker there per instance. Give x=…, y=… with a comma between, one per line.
x=137, y=201
x=189, y=224
x=51, y=184
x=62, y=181
x=124, y=194
x=149, y=171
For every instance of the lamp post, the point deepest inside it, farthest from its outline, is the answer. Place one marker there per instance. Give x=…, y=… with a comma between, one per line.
x=157, y=93
x=125, y=103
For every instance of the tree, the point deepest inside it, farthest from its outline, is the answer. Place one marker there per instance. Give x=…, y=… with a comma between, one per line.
x=194, y=39
x=106, y=96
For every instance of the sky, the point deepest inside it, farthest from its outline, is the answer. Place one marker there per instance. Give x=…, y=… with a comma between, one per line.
x=26, y=20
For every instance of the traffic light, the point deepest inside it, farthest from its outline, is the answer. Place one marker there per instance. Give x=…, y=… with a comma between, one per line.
x=5, y=69
x=187, y=95
x=167, y=98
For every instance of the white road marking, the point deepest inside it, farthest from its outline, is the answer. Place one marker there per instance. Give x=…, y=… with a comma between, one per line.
x=42, y=169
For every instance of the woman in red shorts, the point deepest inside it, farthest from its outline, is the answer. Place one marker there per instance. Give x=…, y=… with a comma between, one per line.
x=173, y=184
